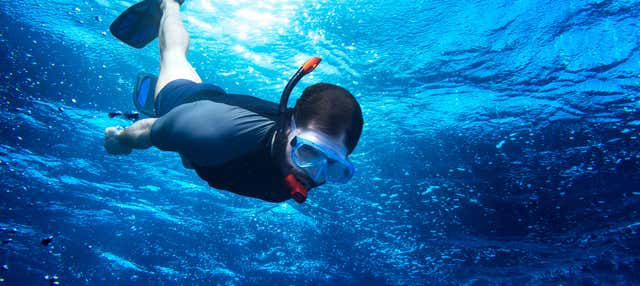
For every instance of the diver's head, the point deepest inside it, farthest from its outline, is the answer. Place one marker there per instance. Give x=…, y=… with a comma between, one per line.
x=324, y=129
x=332, y=110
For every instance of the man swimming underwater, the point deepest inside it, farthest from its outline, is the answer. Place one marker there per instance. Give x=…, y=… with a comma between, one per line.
x=241, y=143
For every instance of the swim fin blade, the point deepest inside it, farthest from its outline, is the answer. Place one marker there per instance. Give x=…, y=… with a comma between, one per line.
x=143, y=94
x=139, y=24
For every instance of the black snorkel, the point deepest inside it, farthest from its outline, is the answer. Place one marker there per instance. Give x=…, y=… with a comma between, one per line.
x=297, y=189
x=305, y=69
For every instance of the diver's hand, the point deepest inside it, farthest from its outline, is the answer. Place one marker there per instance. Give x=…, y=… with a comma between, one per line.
x=112, y=143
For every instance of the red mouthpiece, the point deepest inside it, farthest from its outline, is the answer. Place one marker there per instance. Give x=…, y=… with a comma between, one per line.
x=298, y=191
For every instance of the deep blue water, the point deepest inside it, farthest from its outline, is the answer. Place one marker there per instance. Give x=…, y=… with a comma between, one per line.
x=501, y=147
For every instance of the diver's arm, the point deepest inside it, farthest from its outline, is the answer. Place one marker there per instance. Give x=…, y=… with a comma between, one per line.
x=136, y=136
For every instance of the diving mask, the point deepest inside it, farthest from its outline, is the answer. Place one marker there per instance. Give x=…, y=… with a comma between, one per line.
x=319, y=156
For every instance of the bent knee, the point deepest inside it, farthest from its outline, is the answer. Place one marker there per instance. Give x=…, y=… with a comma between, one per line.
x=175, y=66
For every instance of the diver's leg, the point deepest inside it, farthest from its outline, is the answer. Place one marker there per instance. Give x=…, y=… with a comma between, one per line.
x=174, y=42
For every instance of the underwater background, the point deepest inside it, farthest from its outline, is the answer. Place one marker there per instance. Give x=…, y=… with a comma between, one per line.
x=500, y=147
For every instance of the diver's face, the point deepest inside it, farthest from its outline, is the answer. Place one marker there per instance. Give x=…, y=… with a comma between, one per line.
x=303, y=177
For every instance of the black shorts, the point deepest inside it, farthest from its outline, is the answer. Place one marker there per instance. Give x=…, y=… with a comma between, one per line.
x=181, y=91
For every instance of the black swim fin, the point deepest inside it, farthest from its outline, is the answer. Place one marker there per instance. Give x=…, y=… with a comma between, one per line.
x=143, y=94
x=139, y=24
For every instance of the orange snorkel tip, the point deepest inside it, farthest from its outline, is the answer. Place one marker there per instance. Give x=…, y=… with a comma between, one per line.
x=310, y=65
x=305, y=69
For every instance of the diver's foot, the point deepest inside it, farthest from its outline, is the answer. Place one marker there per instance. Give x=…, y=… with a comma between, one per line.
x=112, y=143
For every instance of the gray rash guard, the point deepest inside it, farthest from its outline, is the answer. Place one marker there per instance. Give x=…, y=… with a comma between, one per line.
x=208, y=132
x=226, y=137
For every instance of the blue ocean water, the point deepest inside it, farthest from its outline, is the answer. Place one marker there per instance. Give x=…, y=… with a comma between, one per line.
x=500, y=147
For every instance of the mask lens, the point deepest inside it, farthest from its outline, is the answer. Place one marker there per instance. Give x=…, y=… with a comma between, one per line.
x=307, y=155
x=321, y=163
x=338, y=172
x=319, y=173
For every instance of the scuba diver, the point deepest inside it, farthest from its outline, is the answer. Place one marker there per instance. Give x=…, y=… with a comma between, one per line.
x=238, y=143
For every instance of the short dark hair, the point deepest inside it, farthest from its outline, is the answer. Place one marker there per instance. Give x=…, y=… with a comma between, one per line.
x=333, y=110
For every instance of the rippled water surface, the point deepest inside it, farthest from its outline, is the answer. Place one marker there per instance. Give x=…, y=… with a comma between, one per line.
x=501, y=146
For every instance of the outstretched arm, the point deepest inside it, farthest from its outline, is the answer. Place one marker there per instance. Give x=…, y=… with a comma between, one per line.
x=118, y=140
x=121, y=141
